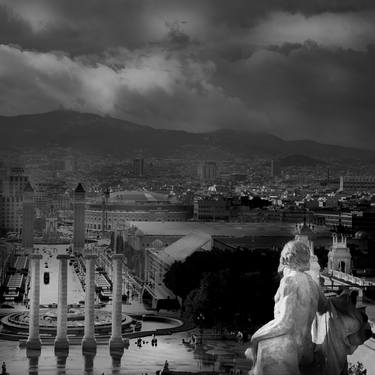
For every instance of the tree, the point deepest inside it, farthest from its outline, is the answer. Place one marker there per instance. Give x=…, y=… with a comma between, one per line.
x=227, y=287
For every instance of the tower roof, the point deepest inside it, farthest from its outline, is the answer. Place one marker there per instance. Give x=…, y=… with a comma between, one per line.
x=28, y=188
x=79, y=189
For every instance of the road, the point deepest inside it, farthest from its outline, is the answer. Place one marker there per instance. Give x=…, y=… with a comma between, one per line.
x=49, y=292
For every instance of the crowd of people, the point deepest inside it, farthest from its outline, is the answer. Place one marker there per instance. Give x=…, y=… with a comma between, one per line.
x=154, y=341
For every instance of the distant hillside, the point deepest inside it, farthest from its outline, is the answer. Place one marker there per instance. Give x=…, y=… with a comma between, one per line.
x=300, y=161
x=106, y=135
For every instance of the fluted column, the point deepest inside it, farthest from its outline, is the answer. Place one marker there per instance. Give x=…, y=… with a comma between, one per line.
x=116, y=341
x=61, y=342
x=33, y=341
x=89, y=342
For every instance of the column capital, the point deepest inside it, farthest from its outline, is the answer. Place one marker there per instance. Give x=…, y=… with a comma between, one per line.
x=63, y=256
x=36, y=256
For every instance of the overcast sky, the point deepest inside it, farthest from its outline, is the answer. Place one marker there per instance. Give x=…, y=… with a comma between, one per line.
x=295, y=68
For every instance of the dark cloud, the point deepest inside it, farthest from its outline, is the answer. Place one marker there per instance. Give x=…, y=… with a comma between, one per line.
x=89, y=26
x=296, y=68
x=310, y=92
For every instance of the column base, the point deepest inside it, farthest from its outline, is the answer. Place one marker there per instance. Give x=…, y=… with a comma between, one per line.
x=89, y=345
x=116, y=344
x=61, y=345
x=33, y=344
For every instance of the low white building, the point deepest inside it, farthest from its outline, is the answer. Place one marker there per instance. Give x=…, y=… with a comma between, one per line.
x=158, y=260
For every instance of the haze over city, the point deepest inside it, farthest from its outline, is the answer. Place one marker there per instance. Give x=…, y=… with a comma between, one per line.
x=296, y=69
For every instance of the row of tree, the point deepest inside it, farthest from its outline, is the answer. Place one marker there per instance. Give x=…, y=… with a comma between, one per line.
x=231, y=289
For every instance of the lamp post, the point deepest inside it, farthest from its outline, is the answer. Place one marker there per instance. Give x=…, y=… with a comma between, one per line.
x=200, y=320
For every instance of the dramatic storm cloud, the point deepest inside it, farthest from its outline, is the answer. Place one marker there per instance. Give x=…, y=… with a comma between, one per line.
x=298, y=69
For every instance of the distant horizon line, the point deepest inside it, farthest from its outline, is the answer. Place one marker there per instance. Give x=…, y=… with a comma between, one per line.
x=248, y=131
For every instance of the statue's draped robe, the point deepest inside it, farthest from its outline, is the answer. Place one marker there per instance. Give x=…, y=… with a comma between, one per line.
x=337, y=333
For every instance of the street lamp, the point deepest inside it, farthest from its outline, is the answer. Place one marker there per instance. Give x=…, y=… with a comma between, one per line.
x=200, y=320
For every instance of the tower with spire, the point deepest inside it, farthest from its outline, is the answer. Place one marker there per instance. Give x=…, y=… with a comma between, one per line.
x=339, y=257
x=28, y=215
x=79, y=219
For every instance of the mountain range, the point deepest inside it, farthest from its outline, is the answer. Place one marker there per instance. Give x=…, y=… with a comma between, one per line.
x=93, y=133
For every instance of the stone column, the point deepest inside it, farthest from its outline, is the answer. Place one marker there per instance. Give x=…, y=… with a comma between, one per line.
x=33, y=341
x=61, y=341
x=116, y=342
x=89, y=342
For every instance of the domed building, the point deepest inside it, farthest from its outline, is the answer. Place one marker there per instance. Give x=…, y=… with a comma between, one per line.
x=158, y=244
x=133, y=205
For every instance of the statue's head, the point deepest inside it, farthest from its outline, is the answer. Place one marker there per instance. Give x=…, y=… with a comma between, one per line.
x=295, y=255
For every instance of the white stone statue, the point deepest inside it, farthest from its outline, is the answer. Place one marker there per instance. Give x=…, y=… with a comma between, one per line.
x=284, y=345
x=307, y=328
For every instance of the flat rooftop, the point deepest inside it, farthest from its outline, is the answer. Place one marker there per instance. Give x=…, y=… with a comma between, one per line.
x=175, y=228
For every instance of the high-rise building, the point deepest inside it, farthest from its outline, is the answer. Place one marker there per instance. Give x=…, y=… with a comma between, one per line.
x=79, y=219
x=207, y=171
x=275, y=168
x=14, y=182
x=28, y=218
x=138, y=167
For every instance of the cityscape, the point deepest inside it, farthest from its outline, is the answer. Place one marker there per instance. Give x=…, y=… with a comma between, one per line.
x=158, y=215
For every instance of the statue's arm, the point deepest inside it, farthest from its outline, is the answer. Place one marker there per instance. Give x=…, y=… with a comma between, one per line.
x=285, y=317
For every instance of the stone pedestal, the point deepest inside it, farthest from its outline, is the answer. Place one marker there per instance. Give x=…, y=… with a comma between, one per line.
x=61, y=358
x=33, y=341
x=88, y=368
x=116, y=363
x=33, y=357
x=116, y=343
x=61, y=341
x=89, y=342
